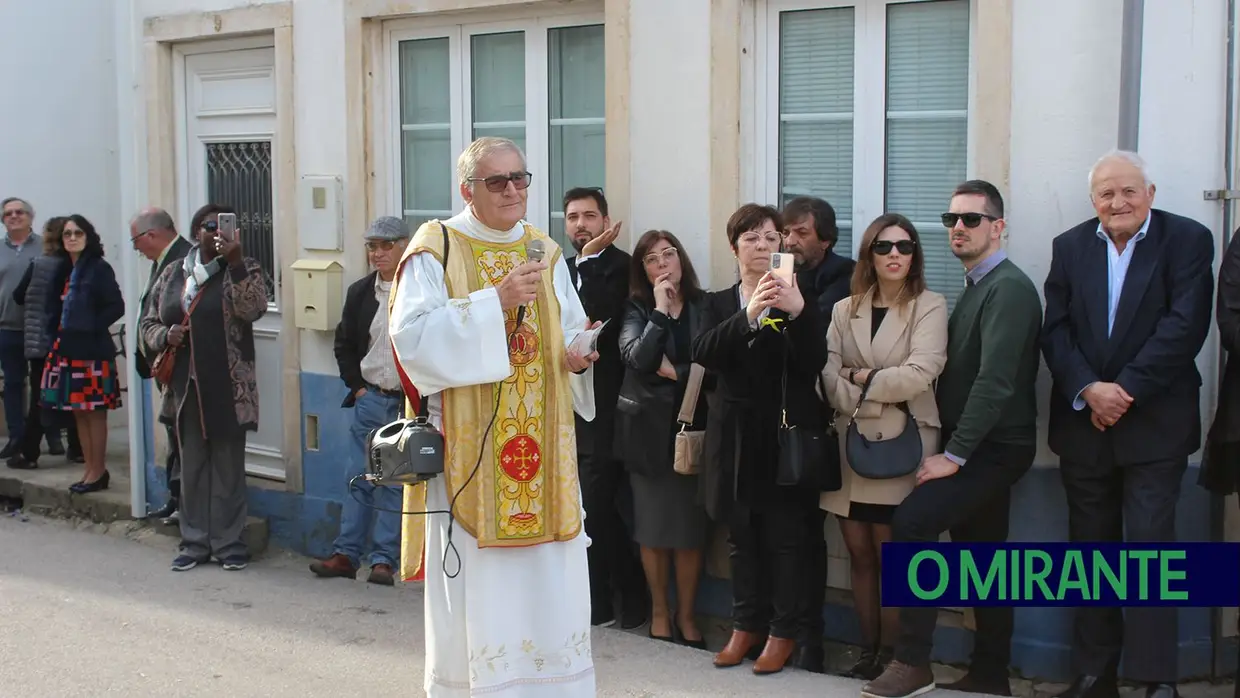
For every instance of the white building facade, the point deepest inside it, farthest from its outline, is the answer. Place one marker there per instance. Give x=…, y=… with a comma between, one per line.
x=315, y=116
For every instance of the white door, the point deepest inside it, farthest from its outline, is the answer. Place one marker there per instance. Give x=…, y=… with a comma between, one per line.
x=229, y=120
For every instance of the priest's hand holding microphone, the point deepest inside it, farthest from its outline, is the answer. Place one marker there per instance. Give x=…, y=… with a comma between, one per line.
x=520, y=288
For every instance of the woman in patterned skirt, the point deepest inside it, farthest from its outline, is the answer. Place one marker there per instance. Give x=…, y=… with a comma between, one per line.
x=80, y=374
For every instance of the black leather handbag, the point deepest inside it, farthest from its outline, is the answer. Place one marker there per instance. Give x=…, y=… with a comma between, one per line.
x=887, y=459
x=808, y=457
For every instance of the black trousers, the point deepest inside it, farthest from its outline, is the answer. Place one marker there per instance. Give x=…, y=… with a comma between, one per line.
x=973, y=506
x=769, y=555
x=611, y=556
x=1109, y=503
x=35, y=428
x=813, y=627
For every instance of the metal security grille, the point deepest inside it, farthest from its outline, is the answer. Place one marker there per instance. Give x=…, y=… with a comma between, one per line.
x=239, y=175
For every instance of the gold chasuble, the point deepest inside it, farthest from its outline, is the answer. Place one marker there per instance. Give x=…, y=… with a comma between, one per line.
x=524, y=491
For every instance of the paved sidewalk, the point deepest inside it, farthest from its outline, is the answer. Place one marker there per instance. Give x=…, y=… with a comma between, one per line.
x=92, y=610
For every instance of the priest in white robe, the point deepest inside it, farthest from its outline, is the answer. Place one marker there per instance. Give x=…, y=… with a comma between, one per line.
x=507, y=588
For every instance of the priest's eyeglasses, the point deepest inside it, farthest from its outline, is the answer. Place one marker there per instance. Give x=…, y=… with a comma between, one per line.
x=498, y=183
x=376, y=245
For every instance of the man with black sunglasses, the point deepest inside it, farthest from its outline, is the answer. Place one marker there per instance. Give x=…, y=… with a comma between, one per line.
x=1128, y=302
x=988, y=410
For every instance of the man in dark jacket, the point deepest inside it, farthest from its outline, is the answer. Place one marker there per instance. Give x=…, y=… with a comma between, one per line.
x=810, y=235
x=154, y=235
x=368, y=368
x=1128, y=301
x=600, y=273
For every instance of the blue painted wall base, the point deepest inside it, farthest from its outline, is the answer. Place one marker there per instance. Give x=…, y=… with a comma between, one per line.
x=1041, y=642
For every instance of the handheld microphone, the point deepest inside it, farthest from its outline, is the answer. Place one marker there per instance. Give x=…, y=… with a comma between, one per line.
x=534, y=249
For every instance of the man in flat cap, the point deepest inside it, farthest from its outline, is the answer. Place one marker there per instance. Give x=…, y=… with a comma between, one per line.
x=368, y=369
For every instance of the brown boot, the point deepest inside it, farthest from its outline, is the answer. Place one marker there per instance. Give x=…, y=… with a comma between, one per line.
x=382, y=574
x=900, y=680
x=774, y=656
x=736, y=649
x=335, y=566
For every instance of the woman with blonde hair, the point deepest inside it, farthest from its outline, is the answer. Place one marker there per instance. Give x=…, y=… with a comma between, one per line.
x=887, y=344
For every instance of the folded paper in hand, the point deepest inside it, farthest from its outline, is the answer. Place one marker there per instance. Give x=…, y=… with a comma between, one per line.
x=586, y=343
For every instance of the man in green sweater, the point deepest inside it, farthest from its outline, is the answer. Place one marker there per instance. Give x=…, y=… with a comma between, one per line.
x=988, y=412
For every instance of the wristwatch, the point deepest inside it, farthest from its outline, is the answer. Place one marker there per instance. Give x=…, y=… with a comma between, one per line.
x=852, y=376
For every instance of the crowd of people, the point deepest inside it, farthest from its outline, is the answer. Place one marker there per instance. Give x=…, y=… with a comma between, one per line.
x=701, y=408
x=592, y=474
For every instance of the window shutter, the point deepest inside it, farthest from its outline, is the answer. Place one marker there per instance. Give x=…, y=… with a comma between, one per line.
x=497, y=69
x=816, y=57
x=927, y=122
x=427, y=163
x=576, y=80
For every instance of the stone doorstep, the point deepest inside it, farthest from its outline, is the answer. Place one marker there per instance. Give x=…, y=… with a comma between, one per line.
x=40, y=495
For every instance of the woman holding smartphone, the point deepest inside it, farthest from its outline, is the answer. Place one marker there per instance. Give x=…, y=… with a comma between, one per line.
x=202, y=312
x=758, y=337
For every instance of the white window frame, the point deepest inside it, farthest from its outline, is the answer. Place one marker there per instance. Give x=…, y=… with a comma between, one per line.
x=459, y=29
x=761, y=108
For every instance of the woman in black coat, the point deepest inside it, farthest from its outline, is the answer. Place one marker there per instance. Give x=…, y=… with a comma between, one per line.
x=656, y=345
x=755, y=332
x=80, y=374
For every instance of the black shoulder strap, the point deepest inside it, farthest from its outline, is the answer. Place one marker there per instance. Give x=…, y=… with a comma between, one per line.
x=447, y=245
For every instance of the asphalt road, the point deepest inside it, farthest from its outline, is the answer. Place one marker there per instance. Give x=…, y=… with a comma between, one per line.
x=85, y=613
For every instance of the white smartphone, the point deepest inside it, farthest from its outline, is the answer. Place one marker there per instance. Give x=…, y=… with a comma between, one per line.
x=227, y=226
x=781, y=266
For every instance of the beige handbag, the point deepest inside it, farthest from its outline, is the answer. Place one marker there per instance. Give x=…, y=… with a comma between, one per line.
x=689, y=444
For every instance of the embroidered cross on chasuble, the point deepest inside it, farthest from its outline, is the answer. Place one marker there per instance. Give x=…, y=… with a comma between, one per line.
x=525, y=490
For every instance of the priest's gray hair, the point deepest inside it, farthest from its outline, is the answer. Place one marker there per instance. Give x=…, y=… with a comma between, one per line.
x=481, y=149
x=1125, y=156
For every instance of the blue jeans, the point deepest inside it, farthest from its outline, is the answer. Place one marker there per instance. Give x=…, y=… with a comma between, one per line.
x=371, y=411
x=13, y=364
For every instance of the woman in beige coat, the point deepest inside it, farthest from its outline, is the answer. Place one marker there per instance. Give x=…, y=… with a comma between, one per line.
x=893, y=323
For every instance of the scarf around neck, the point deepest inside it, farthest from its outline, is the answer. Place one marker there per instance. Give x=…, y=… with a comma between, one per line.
x=196, y=275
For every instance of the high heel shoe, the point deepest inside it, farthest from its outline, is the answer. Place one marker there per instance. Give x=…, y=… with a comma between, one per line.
x=88, y=487
x=698, y=644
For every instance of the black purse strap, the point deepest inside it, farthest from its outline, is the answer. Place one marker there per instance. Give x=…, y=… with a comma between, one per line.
x=783, y=386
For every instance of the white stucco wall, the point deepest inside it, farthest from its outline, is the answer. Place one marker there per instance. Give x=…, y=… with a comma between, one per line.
x=1065, y=114
x=1184, y=146
x=669, y=134
x=58, y=119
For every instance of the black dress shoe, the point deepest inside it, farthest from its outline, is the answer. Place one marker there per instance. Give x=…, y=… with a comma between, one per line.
x=1161, y=690
x=19, y=462
x=811, y=658
x=88, y=487
x=12, y=448
x=1092, y=687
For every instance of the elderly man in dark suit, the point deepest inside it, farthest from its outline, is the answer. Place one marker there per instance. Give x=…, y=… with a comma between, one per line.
x=154, y=235
x=600, y=273
x=1128, y=302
